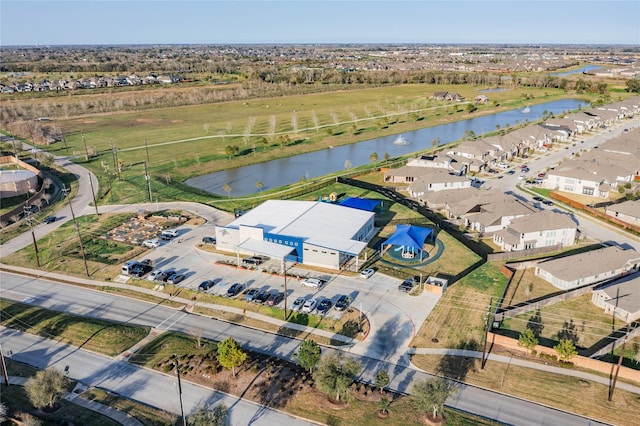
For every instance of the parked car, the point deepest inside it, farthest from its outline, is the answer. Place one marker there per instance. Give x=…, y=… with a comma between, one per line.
x=206, y=285
x=254, y=260
x=235, y=290
x=251, y=294
x=171, y=233
x=407, y=285
x=153, y=243
x=548, y=202
x=511, y=172
x=312, y=282
x=343, y=303
x=140, y=270
x=49, y=219
x=309, y=306
x=324, y=306
x=537, y=198
x=367, y=273
x=208, y=240
x=176, y=278
x=155, y=275
x=297, y=304
x=275, y=298
x=168, y=276
x=542, y=175
x=261, y=297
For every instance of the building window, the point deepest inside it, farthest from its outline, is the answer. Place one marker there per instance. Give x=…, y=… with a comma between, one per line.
x=587, y=191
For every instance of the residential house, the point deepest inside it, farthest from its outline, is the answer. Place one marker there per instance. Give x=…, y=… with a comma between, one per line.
x=497, y=215
x=621, y=297
x=543, y=229
x=589, y=267
x=437, y=161
x=481, y=99
x=437, y=180
x=628, y=212
x=405, y=174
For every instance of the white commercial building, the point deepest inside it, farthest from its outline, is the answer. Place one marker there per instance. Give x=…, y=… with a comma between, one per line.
x=308, y=232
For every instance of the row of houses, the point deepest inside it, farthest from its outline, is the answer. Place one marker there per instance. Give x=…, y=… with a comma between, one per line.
x=485, y=153
x=597, y=172
x=614, y=267
x=87, y=83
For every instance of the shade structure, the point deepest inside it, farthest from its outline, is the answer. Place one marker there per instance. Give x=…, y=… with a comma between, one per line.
x=360, y=203
x=410, y=238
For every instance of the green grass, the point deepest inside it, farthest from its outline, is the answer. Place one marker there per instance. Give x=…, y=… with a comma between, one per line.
x=16, y=399
x=321, y=120
x=156, y=352
x=96, y=335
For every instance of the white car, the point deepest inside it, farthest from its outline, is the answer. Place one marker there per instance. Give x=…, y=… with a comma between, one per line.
x=172, y=233
x=153, y=243
x=309, y=306
x=367, y=273
x=312, y=282
x=154, y=274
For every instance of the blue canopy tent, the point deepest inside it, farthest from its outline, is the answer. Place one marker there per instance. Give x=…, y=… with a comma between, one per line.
x=409, y=239
x=367, y=204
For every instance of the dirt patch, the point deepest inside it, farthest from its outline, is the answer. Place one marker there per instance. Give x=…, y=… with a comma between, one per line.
x=148, y=120
x=177, y=121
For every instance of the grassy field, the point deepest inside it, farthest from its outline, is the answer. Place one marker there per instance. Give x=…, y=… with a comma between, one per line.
x=96, y=335
x=579, y=396
x=578, y=317
x=457, y=321
x=261, y=130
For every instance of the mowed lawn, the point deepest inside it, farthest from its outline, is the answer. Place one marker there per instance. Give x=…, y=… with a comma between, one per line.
x=457, y=321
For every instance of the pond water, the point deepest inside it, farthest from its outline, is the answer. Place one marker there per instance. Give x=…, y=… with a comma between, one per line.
x=578, y=71
x=494, y=89
x=284, y=171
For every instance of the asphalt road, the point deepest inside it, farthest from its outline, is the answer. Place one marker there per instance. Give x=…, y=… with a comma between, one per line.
x=139, y=384
x=90, y=303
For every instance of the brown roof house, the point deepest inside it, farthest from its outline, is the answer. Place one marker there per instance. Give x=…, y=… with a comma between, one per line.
x=590, y=267
x=543, y=229
x=628, y=211
x=621, y=297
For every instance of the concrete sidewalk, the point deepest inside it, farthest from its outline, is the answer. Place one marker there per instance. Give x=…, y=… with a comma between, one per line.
x=74, y=397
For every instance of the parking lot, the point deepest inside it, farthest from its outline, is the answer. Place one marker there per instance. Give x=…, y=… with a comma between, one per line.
x=396, y=314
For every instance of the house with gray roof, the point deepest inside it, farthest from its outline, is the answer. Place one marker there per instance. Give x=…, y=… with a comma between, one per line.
x=437, y=180
x=628, y=211
x=405, y=174
x=543, y=229
x=497, y=215
x=589, y=267
x=621, y=297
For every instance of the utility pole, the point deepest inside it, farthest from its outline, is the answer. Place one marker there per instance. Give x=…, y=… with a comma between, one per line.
x=93, y=194
x=27, y=214
x=66, y=191
x=486, y=334
x=284, y=270
x=175, y=359
x=615, y=377
x=4, y=367
x=146, y=176
x=115, y=159
x=86, y=151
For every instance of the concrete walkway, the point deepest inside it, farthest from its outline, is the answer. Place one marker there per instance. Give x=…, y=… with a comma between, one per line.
x=73, y=397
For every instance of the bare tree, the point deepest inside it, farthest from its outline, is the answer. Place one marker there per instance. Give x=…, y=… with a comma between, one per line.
x=316, y=122
x=294, y=122
x=272, y=127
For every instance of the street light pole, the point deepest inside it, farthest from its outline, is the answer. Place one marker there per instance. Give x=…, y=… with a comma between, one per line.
x=175, y=358
x=27, y=213
x=486, y=334
x=93, y=194
x=284, y=272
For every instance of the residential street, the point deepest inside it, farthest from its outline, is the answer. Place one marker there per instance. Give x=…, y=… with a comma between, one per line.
x=81, y=301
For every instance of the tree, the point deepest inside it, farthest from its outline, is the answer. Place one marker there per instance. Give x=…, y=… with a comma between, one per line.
x=230, y=150
x=347, y=164
x=259, y=185
x=227, y=189
x=431, y=394
x=373, y=157
x=46, y=387
x=216, y=416
x=46, y=159
x=435, y=142
x=566, y=350
x=527, y=339
x=384, y=404
x=308, y=355
x=230, y=355
x=335, y=374
x=382, y=379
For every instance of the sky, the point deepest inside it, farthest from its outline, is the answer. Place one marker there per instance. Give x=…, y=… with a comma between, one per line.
x=92, y=22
